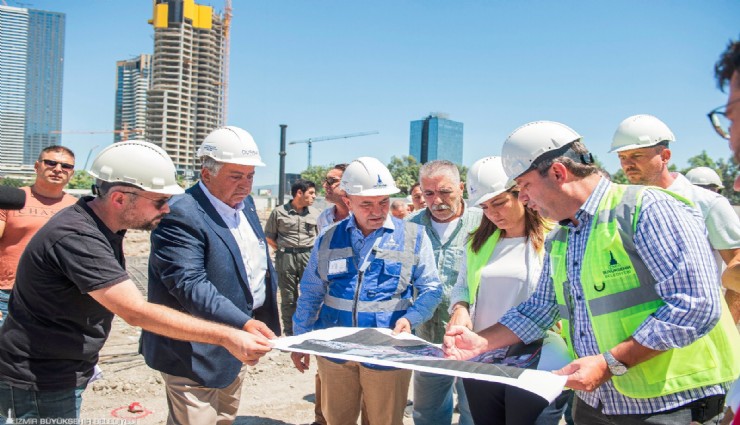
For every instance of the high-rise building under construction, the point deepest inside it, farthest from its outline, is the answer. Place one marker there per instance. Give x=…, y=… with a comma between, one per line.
x=185, y=100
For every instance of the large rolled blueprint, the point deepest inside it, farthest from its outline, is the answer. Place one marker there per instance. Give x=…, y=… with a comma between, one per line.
x=406, y=351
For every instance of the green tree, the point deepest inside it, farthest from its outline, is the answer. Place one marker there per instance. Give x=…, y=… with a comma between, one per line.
x=317, y=173
x=9, y=181
x=620, y=177
x=405, y=172
x=81, y=180
x=726, y=169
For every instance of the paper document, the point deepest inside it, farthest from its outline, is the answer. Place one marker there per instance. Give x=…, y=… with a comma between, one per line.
x=406, y=351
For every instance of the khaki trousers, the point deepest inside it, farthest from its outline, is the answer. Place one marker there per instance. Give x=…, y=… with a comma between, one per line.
x=347, y=388
x=190, y=403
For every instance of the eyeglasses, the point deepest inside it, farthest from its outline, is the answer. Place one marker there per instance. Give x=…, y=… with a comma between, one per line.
x=719, y=120
x=158, y=203
x=52, y=164
x=331, y=180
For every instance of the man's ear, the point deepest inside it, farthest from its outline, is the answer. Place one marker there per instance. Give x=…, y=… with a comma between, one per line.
x=665, y=155
x=559, y=172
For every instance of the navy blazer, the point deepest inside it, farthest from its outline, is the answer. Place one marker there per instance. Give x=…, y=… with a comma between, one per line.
x=195, y=266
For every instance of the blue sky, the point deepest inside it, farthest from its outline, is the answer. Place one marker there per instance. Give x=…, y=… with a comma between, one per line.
x=334, y=67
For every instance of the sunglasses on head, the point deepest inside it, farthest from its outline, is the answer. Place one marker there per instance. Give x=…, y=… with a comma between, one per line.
x=50, y=163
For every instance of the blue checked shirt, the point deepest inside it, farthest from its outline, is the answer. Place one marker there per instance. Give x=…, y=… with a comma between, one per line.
x=671, y=239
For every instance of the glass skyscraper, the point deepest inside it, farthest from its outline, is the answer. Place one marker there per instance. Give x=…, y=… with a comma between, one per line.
x=133, y=79
x=31, y=72
x=436, y=137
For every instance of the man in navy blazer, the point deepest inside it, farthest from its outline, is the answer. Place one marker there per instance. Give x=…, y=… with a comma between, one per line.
x=209, y=258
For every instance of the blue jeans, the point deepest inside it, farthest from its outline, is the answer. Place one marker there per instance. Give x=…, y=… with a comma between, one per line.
x=4, y=298
x=17, y=403
x=433, y=399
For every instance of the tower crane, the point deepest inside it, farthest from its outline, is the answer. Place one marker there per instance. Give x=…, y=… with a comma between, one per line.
x=311, y=140
x=124, y=132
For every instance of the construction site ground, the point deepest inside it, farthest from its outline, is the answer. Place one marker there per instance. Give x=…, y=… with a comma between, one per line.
x=274, y=392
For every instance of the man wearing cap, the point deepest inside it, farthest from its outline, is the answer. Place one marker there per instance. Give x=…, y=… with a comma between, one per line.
x=210, y=258
x=630, y=274
x=71, y=281
x=365, y=272
x=291, y=231
x=448, y=222
x=642, y=144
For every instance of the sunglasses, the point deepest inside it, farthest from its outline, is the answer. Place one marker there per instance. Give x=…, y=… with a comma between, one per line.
x=158, y=203
x=52, y=164
x=331, y=180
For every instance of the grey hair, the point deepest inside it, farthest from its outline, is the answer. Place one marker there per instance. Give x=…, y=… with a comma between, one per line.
x=440, y=166
x=211, y=165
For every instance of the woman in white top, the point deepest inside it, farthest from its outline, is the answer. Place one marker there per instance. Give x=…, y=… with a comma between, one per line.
x=500, y=269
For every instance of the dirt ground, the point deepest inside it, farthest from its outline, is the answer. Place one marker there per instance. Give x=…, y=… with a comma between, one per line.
x=274, y=392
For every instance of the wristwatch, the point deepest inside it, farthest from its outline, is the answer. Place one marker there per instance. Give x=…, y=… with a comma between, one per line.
x=616, y=367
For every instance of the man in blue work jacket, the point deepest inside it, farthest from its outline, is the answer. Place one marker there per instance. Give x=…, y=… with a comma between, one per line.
x=369, y=270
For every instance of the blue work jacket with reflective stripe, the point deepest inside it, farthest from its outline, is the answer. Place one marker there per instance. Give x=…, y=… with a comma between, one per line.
x=367, y=292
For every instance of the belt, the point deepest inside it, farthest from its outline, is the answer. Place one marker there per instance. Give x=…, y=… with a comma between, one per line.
x=294, y=250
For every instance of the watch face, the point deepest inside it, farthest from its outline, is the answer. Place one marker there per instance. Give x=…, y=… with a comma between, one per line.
x=618, y=369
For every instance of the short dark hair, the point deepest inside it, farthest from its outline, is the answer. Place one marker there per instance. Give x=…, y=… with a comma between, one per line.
x=579, y=169
x=342, y=166
x=727, y=65
x=414, y=186
x=56, y=148
x=302, y=185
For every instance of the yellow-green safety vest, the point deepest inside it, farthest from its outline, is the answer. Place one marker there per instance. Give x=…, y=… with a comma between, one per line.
x=620, y=294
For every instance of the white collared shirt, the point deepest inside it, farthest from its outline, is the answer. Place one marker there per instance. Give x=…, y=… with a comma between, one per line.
x=251, y=248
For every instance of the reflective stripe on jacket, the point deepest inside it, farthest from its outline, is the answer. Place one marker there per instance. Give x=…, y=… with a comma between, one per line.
x=620, y=295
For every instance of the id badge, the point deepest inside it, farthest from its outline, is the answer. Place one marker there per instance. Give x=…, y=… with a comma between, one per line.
x=338, y=266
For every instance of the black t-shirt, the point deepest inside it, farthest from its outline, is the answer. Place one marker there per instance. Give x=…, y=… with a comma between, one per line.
x=55, y=330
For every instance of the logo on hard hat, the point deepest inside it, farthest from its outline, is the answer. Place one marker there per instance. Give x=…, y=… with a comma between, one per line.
x=209, y=148
x=250, y=152
x=380, y=183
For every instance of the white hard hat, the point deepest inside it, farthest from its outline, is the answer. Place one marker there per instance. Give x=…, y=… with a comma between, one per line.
x=487, y=179
x=138, y=163
x=640, y=131
x=366, y=176
x=532, y=141
x=704, y=176
x=232, y=145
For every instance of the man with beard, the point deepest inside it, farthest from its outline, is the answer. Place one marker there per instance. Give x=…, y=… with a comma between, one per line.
x=628, y=272
x=72, y=280
x=642, y=144
x=448, y=222
x=209, y=258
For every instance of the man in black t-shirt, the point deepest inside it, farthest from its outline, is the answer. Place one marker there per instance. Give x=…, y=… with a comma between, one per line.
x=71, y=281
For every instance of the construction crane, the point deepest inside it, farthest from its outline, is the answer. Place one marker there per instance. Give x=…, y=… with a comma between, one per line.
x=311, y=140
x=227, y=54
x=123, y=132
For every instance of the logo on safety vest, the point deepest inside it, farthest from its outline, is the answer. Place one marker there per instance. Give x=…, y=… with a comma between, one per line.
x=615, y=269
